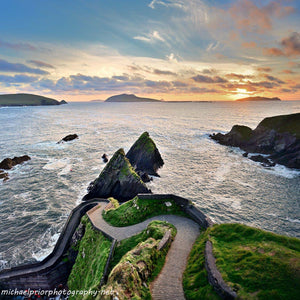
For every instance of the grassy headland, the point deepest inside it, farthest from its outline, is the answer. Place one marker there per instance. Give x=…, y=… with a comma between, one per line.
x=255, y=263
x=27, y=100
x=138, y=210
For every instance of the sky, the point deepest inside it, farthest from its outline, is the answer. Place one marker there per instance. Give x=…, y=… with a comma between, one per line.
x=81, y=50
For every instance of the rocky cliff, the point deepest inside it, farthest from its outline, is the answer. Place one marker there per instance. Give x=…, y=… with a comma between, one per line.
x=118, y=179
x=144, y=155
x=278, y=136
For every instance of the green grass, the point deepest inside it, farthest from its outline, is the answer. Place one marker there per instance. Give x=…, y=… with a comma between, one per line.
x=89, y=266
x=138, y=210
x=195, y=283
x=145, y=142
x=25, y=99
x=255, y=263
x=283, y=123
x=137, y=262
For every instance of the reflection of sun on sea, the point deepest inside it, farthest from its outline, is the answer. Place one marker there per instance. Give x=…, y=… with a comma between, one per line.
x=241, y=93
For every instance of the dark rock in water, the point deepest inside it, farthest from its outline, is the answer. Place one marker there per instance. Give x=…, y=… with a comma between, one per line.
x=68, y=138
x=144, y=176
x=238, y=135
x=3, y=175
x=63, y=102
x=144, y=155
x=263, y=160
x=118, y=180
x=105, y=158
x=8, y=163
x=245, y=154
x=277, y=136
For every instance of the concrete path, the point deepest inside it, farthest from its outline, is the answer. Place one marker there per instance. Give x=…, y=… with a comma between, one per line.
x=168, y=284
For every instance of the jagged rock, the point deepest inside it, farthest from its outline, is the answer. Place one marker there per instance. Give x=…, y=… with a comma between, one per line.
x=8, y=163
x=144, y=176
x=277, y=136
x=144, y=155
x=263, y=160
x=118, y=180
x=3, y=175
x=104, y=158
x=68, y=138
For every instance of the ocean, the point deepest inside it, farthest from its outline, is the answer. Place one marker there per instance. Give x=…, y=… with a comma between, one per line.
x=36, y=200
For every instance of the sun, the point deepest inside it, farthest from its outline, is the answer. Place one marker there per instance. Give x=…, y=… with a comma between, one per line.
x=241, y=93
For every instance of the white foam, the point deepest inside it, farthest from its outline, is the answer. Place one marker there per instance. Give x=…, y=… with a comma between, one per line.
x=246, y=184
x=66, y=170
x=283, y=171
x=221, y=172
x=55, y=164
x=43, y=253
x=293, y=220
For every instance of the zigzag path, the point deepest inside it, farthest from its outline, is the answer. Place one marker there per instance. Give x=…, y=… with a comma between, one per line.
x=168, y=284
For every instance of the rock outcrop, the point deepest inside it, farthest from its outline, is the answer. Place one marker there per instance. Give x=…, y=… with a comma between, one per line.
x=68, y=138
x=3, y=175
x=118, y=180
x=278, y=136
x=144, y=155
x=8, y=163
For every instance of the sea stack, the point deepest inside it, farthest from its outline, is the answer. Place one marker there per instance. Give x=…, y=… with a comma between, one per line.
x=118, y=180
x=144, y=155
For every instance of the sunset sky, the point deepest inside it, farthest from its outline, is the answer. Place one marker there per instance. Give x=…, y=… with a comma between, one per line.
x=173, y=50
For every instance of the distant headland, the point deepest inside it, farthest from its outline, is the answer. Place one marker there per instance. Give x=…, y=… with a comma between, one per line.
x=129, y=98
x=257, y=98
x=27, y=100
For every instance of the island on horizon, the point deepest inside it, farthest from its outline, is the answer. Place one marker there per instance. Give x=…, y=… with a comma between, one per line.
x=27, y=100
x=130, y=98
x=258, y=98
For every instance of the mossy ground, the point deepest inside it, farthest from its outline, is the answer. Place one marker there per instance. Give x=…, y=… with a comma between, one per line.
x=138, y=210
x=255, y=263
x=89, y=266
x=145, y=142
x=137, y=262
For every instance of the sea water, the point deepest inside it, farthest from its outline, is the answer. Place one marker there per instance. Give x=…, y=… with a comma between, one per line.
x=36, y=200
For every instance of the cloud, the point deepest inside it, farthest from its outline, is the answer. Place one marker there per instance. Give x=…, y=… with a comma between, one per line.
x=17, y=46
x=238, y=76
x=249, y=45
x=152, y=37
x=6, y=66
x=163, y=72
x=16, y=79
x=263, y=69
x=40, y=64
x=207, y=79
x=290, y=46
x=288, y=72
x=202, y=90
x=249, y=17
x=274, y=79
x=176, y=4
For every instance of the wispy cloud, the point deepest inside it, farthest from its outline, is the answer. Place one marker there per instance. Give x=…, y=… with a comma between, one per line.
x=18, y=46
x=290, y=46
x=6, y=66
x=152, y=37
x=208, y=79
x=41, y=64
x=176, y=4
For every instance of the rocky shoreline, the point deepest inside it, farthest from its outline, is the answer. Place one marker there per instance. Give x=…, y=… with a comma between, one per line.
x=278, y=138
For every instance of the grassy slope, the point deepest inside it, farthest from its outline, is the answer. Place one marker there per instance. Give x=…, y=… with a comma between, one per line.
x=92, y=256
x=26, y=99
x=131, y=252
x=255, y=263
x=137, y=210
x=284, y=123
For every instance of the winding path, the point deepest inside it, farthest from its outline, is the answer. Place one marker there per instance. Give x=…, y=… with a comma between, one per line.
x=168, y=284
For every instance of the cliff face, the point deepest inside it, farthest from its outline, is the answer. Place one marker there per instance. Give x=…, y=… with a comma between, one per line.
x=118, y=180
x=144, y=155
x=277, y=136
